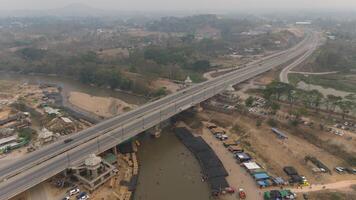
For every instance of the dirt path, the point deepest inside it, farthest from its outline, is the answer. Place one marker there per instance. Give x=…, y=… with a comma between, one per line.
x=38, y=192
x=313, y=73
x=209, y=75
x=238, y=177
x=330, y=186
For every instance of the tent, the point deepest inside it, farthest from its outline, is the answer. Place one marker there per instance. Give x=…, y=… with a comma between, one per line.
x=243, y=157
x=262, y=183
x=290, y=170
x=261, y=176
x=251, y=165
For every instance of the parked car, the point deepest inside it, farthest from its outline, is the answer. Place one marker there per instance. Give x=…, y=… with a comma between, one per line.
x=339, y=170
x=84, y=197
x=218, y=135
x=223, y=137
x=242, y=194
x=74, y=191
x=235, y=149
x=82, y=194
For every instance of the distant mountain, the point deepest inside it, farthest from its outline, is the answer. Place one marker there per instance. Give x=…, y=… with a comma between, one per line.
x=72, y=10
x=83, y=10
x=77, y=9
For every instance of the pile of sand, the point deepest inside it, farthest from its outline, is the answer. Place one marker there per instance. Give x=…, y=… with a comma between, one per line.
x=101, y=106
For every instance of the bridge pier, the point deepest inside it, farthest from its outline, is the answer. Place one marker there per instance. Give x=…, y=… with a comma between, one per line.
x=198, y=108
x=114, y=150
x=156, y=132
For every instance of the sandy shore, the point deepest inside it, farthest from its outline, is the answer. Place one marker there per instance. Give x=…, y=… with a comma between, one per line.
x=101, y=106
x=238, y=177
x=169, y=85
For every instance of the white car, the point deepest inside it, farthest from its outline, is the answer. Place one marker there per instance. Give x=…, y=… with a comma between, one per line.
x=85, y=197
x=224, y=137
x=74, y=191
x=339, y=169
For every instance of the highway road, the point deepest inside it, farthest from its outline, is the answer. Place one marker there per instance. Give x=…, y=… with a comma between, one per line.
x=44, y=163
x=283, y=76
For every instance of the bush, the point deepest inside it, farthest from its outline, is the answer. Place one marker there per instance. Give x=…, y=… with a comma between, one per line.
x=160, y=92
x=271, y=122
x=26, y=133
x=249, y=101
x=294, y=122
x=258, y=122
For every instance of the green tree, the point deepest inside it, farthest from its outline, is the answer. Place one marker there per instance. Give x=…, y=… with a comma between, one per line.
x=249, y=101
x=332, y=102
x=316, y=99
x=346, y=106
x=201, y=65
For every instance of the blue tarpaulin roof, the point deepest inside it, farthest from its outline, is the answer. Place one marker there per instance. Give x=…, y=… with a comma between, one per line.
x=262, y=183
x=261, y=176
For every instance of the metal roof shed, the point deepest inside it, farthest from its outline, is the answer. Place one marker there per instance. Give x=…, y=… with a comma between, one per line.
x=251, y=165
x=8, y=139
x=261, y=176
x=279, y=133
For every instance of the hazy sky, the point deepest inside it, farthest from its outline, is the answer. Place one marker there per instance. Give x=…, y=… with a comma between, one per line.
x=182, y=4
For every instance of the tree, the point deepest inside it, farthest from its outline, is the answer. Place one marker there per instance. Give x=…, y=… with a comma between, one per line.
x=201, y=65
x=249, y=101
x=332, y=102
x=277, y=89
x=275, y=107
x=292, y=97
x=114, y=80
x=297, y=113
x=346, y=106
x=316, y=98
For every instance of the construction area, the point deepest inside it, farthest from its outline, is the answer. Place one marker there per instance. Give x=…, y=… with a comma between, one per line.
x=111, y=175
x=31, y=116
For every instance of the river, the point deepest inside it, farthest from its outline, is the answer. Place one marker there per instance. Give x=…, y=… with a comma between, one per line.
x=167, y=168
x=169, y=171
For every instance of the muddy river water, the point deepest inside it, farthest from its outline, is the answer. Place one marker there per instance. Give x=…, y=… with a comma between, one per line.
x=168, y=171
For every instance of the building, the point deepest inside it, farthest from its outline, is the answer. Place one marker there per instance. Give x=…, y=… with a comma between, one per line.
x=8, y=142
x=188, y=82
x=45, y=136
x=51, y=111
x=229, y=96
x=303, y=23
x=94, y=172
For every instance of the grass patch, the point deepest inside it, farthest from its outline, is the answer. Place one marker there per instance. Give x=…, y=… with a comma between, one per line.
x=340, y=82
x=333, y=149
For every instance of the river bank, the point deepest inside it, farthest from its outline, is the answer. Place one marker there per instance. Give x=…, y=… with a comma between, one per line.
x=82, y=106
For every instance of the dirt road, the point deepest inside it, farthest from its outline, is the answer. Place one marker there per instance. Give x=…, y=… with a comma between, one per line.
x=210, y=75
x=341, y=185
x=238, y=177
x=38, y=192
